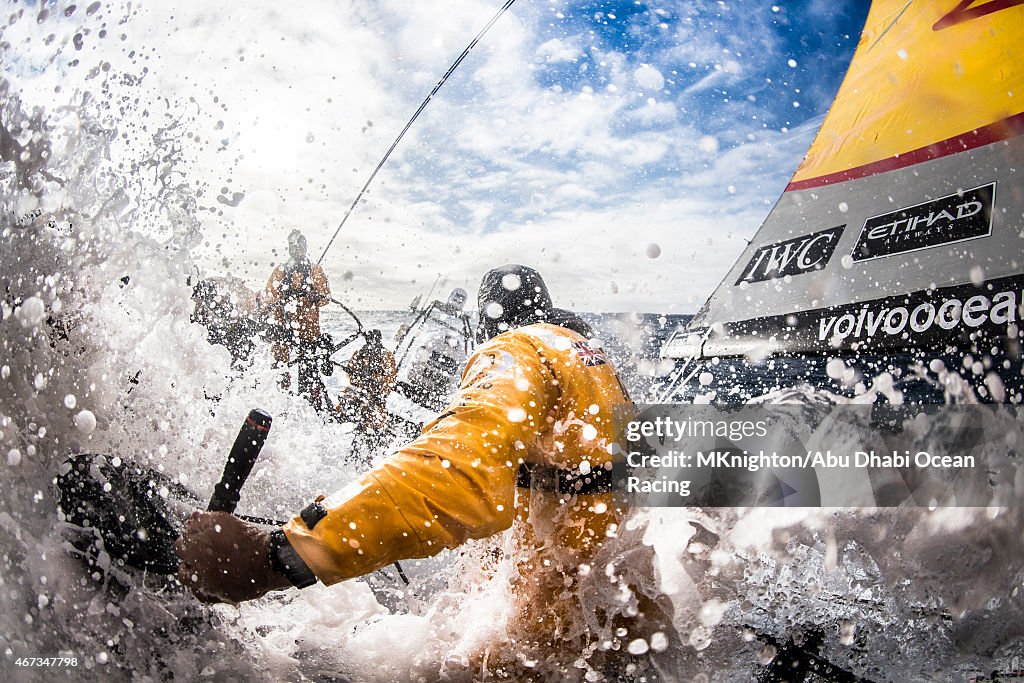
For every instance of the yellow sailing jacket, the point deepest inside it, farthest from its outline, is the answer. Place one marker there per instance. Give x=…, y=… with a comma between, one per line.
x=538, y=394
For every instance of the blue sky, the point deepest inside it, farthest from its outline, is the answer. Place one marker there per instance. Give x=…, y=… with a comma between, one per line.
x=722, y=76
x=575, y=137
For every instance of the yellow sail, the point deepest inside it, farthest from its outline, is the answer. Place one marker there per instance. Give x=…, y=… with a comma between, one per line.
x=928, y=78
x=903, y=228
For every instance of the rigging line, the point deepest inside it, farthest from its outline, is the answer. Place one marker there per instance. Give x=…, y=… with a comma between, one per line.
x=423, y=105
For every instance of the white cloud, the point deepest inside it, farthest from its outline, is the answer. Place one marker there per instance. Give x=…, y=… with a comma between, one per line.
x=557, y=50
x=506, y=163
x=655, y=112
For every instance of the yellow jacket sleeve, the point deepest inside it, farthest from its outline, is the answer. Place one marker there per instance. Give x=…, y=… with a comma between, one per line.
x=453, y=483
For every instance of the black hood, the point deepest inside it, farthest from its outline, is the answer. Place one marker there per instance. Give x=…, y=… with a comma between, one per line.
x=511, y=296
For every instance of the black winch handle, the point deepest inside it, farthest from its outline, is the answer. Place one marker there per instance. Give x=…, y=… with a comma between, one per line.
x=243, y=456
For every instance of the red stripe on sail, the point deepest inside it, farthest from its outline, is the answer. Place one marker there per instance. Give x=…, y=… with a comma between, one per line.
x=979, y=137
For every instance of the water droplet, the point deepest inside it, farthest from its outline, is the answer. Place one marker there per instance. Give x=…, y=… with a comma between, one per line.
x=493, y=310
x=638, y=647
x=700, y=638
x=511, y=282
x=31, y=312
x=711, y=612
x=846, y=633
x=708, y=144
x=85, y=421
x=649, y=78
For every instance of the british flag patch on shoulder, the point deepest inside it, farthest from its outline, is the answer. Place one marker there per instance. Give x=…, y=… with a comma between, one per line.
x=590, y=355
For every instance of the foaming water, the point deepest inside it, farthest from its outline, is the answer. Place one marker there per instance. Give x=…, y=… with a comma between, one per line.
x=102, y=225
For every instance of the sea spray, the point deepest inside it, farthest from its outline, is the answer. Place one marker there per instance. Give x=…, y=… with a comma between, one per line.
x=102, y=221
x=101, y=356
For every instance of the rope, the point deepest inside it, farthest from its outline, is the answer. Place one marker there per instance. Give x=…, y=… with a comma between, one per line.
x=359, y=328
x=419, y=110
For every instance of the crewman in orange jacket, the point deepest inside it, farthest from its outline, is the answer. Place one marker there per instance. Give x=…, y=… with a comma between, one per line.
x=526, y=443
x=294, y=295
x=372, y=374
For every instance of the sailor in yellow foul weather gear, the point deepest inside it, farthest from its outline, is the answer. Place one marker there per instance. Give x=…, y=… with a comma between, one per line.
x=538, y=410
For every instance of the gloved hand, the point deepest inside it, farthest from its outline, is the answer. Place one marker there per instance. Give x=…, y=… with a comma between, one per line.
x=225, y=559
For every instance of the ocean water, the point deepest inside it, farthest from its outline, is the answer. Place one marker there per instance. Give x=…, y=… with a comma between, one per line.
x=96, y=363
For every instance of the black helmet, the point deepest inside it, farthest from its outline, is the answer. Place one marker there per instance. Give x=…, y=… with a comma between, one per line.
x=511, y=296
